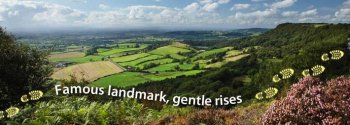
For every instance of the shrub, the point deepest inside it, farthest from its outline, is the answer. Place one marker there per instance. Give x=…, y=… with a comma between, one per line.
x=203, y=116
x=22, y=69
x=310, y=102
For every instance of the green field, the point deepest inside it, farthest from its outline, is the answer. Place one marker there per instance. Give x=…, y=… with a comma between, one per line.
x=100, y=50
x=74, y=47
x=124, y=45
x=158, y=61
x=171, y=66
x=90, y=58
x=141, y=60
x=205, y=54
x=133, y=78
x=130, y=57
x=170, y=50
x=233, y=53
x=112, y=51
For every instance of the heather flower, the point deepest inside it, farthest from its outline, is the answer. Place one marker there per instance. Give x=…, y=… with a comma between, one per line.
x=310, y=102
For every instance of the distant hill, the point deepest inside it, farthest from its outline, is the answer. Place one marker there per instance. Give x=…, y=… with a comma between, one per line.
x=212, y=35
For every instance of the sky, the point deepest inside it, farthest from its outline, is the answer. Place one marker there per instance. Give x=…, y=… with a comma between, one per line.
x=36, y=15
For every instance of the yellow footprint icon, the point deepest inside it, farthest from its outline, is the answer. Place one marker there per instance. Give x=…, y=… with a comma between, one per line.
x=325, y=57
x=276, y=78
x=12, y=111
x=268, y=93
x=285, y=73
x=317, y=70
x=33, y=95
x=259, y=95
x=271, y=92
x=335, y=55
x=2, y=115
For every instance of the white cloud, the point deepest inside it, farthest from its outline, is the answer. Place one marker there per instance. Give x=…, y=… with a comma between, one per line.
x=210, y=7
x=289, y=13
x=240, y=6
x=343, y=14
x=79, y=1
x=257, y=0
x=192, y=7
x=202, y=13
x=223, y=1
x=103, y=6
x=308, y=13
x=283, y=4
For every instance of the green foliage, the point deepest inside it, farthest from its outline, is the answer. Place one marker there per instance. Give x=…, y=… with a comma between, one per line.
x=22, y=69
x=80, y=110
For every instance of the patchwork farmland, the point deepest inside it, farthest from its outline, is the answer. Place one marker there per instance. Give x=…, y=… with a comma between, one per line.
x=129, y=64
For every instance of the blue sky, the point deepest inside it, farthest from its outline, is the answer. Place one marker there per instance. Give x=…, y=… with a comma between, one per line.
x=167, y=14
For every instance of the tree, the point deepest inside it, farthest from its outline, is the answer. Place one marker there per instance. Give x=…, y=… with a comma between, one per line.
x=196, y=66
x=177, y=68
x=22, y=69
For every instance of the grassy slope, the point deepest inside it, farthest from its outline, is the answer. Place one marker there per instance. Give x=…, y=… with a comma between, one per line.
x=130, y=57
x=133, y=78
x=60, y=56
x=170, y=50
x=141, y=60
x=119, y=50
x=90, y=58
x=158, y=61
x=210, y=53
x=171, y=66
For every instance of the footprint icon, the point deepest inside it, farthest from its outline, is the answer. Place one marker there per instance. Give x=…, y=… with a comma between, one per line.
x=268, y=93
x=334, y=55
x=32, y=95
x=315, y=71
x=284, y=74
x=9, y=113
x=2, y=115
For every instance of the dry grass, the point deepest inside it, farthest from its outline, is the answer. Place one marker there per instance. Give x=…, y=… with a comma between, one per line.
x=235, y=58
x=67, y=55
x=180, y=45
x=87, y=71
